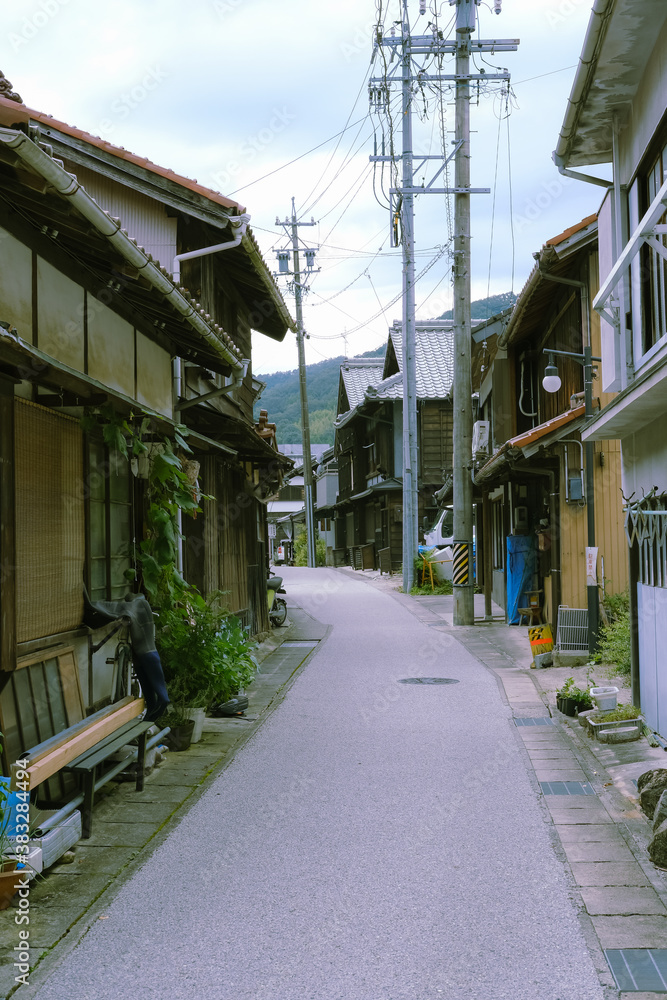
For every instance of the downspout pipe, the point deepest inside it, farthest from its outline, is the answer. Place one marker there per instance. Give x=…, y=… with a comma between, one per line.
x=238, y=223
x=576, y=175
x=68, y=187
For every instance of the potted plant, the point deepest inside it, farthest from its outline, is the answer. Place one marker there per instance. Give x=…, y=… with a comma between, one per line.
x=205, y=656
x=571, y=699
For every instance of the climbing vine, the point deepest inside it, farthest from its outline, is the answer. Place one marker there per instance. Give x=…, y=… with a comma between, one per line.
x=171, y=487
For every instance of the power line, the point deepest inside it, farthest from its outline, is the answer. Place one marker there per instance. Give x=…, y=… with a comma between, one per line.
x=296, y=158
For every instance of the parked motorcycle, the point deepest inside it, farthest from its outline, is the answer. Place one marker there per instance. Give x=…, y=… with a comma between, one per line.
x=277, y=606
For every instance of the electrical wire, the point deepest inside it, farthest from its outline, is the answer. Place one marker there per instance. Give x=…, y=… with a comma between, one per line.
x=296, y=158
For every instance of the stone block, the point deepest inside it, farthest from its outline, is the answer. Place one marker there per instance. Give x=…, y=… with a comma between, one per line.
x=609, y=873
x=650, y=790
x=626, y=901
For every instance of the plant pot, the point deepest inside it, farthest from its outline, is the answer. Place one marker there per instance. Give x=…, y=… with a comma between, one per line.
x=605, y=698
x=619, y=731
x=569, y=707
x=10, y=882
x=197, y=715
x=180, y=737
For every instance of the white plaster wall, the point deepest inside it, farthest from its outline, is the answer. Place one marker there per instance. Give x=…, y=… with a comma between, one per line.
x=644, y=458
x=60, y=310
x=110, y=348
x=610, y=340
x=16, y=285
x=153, y=375
x=647, y=110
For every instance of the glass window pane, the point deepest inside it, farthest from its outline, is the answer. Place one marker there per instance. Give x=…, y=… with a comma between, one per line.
x=98, y=533
x=119, y=478
x=119, y=529
x=98, y=473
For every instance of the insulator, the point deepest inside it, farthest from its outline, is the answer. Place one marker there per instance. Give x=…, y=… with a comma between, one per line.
x=422, y=6
x=497, y=6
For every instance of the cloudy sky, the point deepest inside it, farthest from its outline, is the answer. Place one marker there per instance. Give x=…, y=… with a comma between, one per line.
x=267, y=101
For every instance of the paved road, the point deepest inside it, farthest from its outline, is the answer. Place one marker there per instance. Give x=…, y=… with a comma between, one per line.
x=373, y=841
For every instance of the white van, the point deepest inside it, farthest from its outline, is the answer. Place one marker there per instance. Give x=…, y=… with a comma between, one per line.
x=442, y=532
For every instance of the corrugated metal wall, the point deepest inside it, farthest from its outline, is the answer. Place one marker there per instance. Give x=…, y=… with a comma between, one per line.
x=145, y=219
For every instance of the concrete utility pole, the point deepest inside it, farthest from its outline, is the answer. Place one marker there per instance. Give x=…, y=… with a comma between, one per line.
x=462, y=565
x=413, y=78
x=293, y=226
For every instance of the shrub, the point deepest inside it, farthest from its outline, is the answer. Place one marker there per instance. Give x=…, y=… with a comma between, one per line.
x=615, y=640
x=301, y=550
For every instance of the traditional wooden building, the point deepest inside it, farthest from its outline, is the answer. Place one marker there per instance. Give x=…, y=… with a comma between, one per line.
x=369, y=443
x=131, y=288
x=531, y=492
x=616, y=116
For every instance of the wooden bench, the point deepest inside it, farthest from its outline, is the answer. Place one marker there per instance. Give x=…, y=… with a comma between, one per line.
x=83, y=747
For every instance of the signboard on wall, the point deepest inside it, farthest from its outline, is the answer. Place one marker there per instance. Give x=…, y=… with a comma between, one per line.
x=591, y=566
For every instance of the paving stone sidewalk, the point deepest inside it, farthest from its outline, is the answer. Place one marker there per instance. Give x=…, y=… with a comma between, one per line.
x=126, y=822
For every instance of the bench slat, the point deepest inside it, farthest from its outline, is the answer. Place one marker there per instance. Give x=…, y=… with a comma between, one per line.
x=91, y=758
x=75, y=745
x=59, y=739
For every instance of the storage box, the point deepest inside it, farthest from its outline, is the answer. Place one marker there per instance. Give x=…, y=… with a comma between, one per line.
x=605, y=698
x=56, y=841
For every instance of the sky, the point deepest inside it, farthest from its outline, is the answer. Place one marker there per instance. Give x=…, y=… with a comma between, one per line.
x=267, y=101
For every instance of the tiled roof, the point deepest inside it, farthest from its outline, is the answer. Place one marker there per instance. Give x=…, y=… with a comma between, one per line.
x=434, y=356
x=6, y=90
x=358, y=374
x=13, y=111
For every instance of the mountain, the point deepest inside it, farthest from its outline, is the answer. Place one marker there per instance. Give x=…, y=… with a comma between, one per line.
x=281, y=396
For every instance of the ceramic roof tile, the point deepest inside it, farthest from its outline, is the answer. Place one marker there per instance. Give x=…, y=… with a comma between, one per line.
x=434, y=349
x=358, y=374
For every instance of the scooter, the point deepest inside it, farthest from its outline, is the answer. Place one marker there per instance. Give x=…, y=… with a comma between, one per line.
x=277, y=606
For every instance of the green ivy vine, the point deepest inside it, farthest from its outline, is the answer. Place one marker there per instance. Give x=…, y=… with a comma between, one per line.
x=169, y=491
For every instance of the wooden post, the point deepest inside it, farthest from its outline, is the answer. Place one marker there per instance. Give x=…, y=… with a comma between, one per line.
x=7, y=528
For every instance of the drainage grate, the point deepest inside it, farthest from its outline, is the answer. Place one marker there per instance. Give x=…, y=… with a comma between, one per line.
x=428, y=680
x=639, y=970
x=566, y=788
x=544, y=720
x=299, y=644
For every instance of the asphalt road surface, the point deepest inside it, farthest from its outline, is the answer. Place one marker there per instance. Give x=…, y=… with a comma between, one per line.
x=373, y=841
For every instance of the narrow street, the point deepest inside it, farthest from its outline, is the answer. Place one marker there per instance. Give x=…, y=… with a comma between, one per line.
x=374, y=840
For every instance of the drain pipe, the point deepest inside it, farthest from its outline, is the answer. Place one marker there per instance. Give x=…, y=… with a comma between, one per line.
x=239, y=224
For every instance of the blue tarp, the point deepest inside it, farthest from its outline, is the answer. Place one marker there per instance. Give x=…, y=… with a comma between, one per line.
x=521, y=568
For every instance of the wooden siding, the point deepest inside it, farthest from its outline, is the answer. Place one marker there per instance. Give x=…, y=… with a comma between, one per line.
x=435, y=441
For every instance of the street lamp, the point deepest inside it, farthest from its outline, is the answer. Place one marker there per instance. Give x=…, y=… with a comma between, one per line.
x=552, y=383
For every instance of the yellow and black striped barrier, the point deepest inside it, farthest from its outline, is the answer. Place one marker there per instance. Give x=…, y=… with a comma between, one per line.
x=460, y=564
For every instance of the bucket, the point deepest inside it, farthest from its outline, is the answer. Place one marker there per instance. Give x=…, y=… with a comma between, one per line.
x=605, y=698
x=541, y=639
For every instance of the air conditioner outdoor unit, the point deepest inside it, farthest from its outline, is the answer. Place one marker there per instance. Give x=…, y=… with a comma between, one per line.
x=480, y=437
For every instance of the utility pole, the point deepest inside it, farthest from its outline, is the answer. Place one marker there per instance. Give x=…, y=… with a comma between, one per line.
x=462, y=557
x=413, y=78
x=292, y=227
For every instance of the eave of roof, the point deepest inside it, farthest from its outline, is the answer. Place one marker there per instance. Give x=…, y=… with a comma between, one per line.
x=68, y=188
x=554, y=257
x=13, y=114
x=523, y=445
x=617, y=48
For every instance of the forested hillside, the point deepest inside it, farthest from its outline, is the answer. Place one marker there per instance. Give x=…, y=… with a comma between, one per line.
x=281, y=396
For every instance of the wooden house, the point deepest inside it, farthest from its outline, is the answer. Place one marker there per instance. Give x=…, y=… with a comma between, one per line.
x=531, y=493
x=616, y=115
x=369, y=443
x=91, y=315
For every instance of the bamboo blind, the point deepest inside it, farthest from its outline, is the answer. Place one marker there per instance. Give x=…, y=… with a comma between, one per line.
x=50, y=540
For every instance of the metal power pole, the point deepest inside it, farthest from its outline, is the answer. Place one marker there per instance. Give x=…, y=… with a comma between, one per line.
x=413, y=78
x=462, y=566
x=293, y=226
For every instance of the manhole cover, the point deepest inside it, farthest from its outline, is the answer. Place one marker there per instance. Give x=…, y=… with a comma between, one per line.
x=428, y=680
